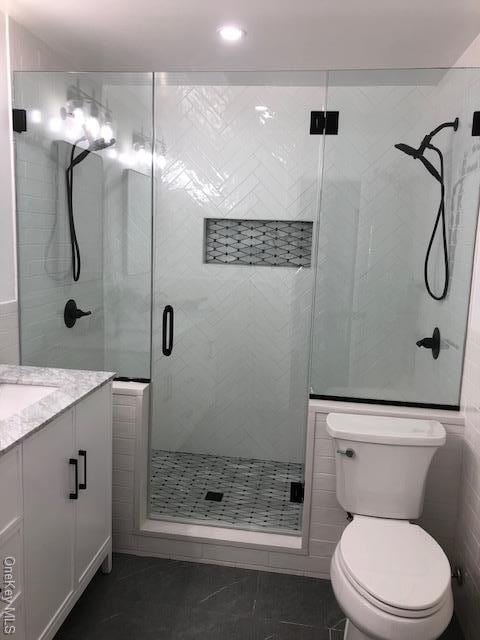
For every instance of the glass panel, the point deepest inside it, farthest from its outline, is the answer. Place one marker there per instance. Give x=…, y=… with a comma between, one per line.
x=378, y=212
x=234, y=154
x=111, y=197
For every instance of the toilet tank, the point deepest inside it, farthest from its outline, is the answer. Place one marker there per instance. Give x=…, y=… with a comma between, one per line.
x=382, y=463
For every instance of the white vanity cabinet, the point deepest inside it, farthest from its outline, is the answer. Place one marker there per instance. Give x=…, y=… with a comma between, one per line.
x=93, y=445
x=11, y=545
x=66, y=528
x=49, y=523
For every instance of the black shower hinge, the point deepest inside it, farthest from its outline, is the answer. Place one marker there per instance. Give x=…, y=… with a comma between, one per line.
x=324, y=122
x=476, y=123
x=19, y=120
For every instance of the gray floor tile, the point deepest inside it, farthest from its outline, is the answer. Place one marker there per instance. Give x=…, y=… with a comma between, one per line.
x=296, y=600
x=200, y=625
x=224, y=590
x=156, y=599
x=453, y=632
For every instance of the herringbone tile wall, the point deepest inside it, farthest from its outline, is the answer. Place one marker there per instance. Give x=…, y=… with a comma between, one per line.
x=236, y=383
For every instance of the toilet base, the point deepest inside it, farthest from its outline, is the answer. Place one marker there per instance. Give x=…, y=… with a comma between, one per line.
x=352, y=633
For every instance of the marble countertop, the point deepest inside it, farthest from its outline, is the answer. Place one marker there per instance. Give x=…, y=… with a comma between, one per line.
x=70, y=386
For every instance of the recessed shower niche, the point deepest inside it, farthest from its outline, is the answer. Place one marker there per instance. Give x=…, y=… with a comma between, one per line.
x=271, y=243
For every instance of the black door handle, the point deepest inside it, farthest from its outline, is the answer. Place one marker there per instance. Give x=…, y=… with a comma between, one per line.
x=167, y=330
x=83, y=454
x=74, y=494
x=72, y=313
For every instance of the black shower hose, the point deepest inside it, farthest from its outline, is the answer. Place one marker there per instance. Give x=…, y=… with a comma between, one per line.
x=440, y=217
x=76, y=258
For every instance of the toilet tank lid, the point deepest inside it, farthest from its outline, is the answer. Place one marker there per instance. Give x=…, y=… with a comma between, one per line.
x=386, y=430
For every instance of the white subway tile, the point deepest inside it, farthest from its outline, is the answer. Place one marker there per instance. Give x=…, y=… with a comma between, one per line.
x=123, y=413
x=321, y=548
x=288, y=561
x=122, y=510
x=235, y=554
x=168, y=548
x=324, y=448
x=123, y=462
x=124, y=429
x=124, y=542
x=122, y=494
x=123, y=446
x=324, y=482
x=122, y=478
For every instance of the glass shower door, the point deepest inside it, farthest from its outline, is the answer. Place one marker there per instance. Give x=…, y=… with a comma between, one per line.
x=70, y=113
x=379, y=206
x=237, y=185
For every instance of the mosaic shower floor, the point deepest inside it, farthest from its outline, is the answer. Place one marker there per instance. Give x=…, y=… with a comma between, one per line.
x=256, y=493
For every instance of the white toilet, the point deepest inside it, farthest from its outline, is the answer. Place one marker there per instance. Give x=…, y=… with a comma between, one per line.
x=390, y=577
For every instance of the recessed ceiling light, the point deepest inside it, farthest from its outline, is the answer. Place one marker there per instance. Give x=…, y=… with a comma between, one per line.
x=261, y=107
x=230, y=33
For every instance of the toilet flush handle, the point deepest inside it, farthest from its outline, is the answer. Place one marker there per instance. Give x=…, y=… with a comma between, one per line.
x=350, y=453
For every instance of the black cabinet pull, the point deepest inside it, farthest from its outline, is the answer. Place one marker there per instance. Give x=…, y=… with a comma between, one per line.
x=74, y=494
x=83, y=454
x=167, y=330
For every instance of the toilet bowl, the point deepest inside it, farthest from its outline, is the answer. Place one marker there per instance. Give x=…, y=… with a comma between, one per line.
x=390, y=577
x=392, y=580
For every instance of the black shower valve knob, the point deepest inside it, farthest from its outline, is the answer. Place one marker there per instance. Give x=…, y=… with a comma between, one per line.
x=72, y=313
x=432, y=343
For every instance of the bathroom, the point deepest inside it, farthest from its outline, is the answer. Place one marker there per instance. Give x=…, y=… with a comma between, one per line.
x=239, y=320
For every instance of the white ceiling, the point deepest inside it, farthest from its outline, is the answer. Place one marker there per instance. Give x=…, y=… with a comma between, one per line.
x=281, y=34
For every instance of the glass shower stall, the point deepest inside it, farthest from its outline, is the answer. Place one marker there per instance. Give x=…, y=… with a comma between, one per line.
x=247, y=241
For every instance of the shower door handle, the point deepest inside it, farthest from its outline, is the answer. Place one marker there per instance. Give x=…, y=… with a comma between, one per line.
x=167, y=330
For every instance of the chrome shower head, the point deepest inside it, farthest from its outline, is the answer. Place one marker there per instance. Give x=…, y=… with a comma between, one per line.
x=99, y=144
x=96, y=145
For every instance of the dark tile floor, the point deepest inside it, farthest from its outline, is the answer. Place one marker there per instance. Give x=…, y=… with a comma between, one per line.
x=154, y=599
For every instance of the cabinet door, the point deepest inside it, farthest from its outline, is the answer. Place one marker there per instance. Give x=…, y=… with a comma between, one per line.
x=49, y=523
x=93, y=430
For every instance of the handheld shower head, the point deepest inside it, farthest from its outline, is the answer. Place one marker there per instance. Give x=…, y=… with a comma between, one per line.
x=100, y=144
x=406, y=148
x=426, y=144
x=95, y=145
x=419, y=154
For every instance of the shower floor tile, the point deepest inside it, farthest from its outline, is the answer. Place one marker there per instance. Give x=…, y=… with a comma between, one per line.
x=256, y=493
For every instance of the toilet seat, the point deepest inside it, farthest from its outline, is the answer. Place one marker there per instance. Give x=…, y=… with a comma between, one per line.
x=396, y=566
x=383, y=606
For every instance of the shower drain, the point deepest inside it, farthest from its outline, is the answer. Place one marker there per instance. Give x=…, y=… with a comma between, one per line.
x=216, y=496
